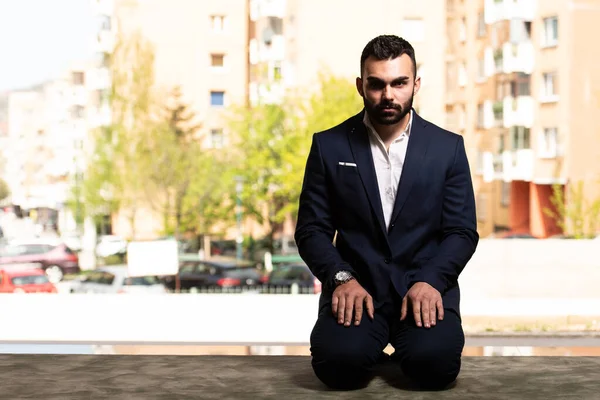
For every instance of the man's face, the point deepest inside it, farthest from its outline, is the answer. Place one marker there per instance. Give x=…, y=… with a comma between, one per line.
x=387, y=88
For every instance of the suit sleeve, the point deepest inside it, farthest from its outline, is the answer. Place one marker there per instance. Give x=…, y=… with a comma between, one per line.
x=459, y=227
x=315, y=229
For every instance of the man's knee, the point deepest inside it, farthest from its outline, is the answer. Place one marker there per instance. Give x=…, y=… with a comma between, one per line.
x=344, y=367
x=433, y=368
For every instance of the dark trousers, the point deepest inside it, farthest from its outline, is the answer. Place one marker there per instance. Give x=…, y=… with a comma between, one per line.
x=345, y=357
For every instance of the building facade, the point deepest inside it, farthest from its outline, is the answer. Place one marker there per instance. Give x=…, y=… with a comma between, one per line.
x=529, y=93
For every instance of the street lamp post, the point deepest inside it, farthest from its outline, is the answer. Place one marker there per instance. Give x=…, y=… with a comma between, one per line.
x=239, y=182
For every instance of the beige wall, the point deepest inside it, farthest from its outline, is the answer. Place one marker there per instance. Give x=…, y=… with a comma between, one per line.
x=183, y=40
x=332, y=34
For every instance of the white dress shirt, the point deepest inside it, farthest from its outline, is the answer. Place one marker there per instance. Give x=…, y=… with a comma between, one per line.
x=388, y=165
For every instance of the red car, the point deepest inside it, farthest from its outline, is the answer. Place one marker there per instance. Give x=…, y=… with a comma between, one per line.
x=55, y=258
x=31, y=280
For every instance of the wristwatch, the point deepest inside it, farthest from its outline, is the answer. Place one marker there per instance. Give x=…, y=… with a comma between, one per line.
x=342, y=277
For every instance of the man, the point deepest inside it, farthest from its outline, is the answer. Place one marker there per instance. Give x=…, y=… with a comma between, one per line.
x=397, y=191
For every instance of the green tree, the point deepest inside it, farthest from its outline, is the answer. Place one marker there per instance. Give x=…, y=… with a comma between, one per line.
x=113, y=179
x=4, y=190
x=183, y=176
x=273, y=143
x=574, y=213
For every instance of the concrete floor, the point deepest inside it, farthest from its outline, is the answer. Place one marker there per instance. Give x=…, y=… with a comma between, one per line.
x=254, y=377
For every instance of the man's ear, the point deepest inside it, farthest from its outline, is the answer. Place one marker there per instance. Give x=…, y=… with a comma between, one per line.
x=359, y=87
x=417, y=85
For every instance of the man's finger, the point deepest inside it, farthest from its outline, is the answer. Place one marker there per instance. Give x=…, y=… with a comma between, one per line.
x=432, y=313
x=417, y=312
x=358, y=310
x=334, y=305
x=404, y=309
x=425, y=313
x=348, y=312
x=440, y=308
x=370, y=307
x=341, y=309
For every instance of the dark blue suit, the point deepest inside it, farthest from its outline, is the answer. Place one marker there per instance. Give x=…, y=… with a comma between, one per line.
x=431, y=237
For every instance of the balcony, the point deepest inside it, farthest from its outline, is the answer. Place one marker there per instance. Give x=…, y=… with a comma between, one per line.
x=518, y=57
x=267, y=8
x=105, y=42
x=498, y=110
x=499, y=10
x=493, y=166
x=518, y=165
x=103, y=7
x=98, y=79
x=518, y=111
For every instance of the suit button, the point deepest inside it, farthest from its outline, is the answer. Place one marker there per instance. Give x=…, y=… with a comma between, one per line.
x=387, y=260
x=393, y=225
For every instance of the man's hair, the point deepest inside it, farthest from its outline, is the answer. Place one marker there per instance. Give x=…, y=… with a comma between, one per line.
x=387, y=47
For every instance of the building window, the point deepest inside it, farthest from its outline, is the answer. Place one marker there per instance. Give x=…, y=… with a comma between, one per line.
x=480, y=116
x=462, y=74
x=218, y=23
x=217, y=60
x=462, y=30
x=104, y=23
x=481, y=28
x=78, y=78
x=520, y=138
x=217, y=99
x=277, y=71
x=521, y=86
x=216, y=138
x=550, y=32
x=549, y=143
x=549, y=88
x=481, y=69
x=77, y=112
x=481, y=207
x=505, y=194
x=413, y=30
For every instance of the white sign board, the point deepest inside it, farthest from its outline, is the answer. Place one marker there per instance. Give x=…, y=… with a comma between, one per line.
x=155, y=257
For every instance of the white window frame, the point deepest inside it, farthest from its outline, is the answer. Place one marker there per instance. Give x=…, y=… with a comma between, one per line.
x=548, y=143
x=550, y=31
x=218, y=23
x=549, y=89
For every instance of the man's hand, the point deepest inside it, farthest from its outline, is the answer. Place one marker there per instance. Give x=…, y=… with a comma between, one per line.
x=350, y=297
x=426, y=302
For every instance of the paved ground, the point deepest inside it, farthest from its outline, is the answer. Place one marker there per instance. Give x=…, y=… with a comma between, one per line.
x=254, y=377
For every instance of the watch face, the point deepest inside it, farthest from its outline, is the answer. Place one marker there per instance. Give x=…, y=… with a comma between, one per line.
x=342, y=276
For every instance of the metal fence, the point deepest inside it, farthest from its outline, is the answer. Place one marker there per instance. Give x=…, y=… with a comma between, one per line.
x=259, y=289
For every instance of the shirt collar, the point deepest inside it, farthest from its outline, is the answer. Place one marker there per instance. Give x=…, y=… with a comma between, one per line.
x=372, y=131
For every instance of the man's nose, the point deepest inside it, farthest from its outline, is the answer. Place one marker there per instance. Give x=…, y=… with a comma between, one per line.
x=387, y=93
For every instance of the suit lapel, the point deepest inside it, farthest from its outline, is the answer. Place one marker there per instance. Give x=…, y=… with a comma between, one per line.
x=415, y=153
x=361, y=149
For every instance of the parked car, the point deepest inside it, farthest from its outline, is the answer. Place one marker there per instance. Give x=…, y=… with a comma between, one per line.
x=54, y=257
x=284, y=276
x=116, y=279
x=110, y=245
x=28, y=280
x=221, y=273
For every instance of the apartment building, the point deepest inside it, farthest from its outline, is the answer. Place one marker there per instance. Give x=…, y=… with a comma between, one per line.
x=292, y=41
x=43, y=147
x=200, y=47
x=530, y=88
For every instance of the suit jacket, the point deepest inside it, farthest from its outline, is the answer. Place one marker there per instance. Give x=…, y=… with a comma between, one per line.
x=433, y=230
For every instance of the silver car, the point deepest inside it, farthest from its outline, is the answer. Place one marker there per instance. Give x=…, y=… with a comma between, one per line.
x=116, y=279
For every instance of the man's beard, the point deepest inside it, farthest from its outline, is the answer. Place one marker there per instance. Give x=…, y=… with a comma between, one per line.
x=395, y=112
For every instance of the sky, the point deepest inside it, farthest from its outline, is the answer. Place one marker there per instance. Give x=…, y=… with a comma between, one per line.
x=39, y=39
